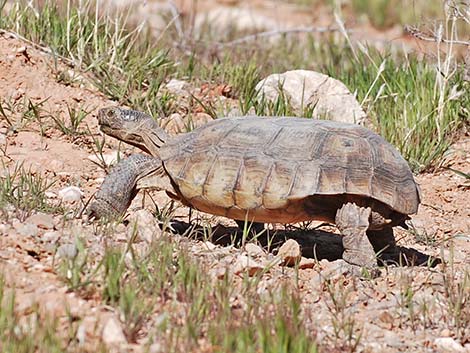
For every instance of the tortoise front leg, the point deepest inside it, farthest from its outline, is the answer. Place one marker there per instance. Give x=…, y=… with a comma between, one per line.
x=353, y=222
x=120, y=186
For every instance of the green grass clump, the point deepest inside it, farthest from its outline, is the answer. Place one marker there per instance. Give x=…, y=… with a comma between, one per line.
x=124, y=61
x=25, y=192
x=166, y=294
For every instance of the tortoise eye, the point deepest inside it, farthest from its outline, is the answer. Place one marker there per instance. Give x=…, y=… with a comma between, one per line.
x=110, y=113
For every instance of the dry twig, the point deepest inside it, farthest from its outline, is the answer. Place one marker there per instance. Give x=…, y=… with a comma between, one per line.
x=415, y=32
x=256, y=36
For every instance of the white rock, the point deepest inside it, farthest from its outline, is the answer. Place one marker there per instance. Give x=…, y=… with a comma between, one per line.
x=70, y=194
x=143, y=222
x=303, y=88
x=67, y=251
x=4, y=229
x=177, y=87
x=51, y=236
x=448, y=345
x=86, y=330
x=246, y=264
x=209, y=245
x=290, y=253
x=254, y=250
x=41, y=220
x=392, y=339
x=174, y=123
x=334, y=269
x=26, y=229
x=112, y=333
x=108, y=158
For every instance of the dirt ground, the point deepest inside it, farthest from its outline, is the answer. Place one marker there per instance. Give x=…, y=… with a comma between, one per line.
x=441, y=227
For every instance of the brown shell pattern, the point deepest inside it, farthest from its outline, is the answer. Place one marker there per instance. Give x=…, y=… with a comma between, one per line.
x=269, y=164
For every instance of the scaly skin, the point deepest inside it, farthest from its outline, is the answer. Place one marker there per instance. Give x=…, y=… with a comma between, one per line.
x=120, y=186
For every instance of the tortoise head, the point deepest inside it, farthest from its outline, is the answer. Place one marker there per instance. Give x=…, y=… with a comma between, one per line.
x=133, y=127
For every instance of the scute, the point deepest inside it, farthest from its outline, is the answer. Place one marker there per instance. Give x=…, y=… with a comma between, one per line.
x=258, y=164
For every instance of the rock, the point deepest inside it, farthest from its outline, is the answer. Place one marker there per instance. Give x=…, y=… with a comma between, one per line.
x=143, y=222
x=218, y=272
x=86, y=330
x=386, y=318
x=26, y=229
x=67, y=251
x=113, y=333
x=4, y=229
x=290, y=253
x=174, y=124
x=334, y=269
x=329, y=97
x=41, y=220
x=51, y=236
x=177, y=87
x=391, y=339
x=446, y=333
x=109, y=158
x=246, y=264
x=306, y=263
x=55, y=165
x=254, y=250
x=70, y=194
x=209, y=246
x=448, y=345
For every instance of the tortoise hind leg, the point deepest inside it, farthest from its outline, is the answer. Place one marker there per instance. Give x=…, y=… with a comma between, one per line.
x=353, y=222
x=384, y=244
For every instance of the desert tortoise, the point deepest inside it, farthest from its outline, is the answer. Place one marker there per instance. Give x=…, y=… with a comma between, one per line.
x=269, y=169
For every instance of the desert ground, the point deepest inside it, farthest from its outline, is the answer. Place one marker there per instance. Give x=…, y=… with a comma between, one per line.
x=170, y=279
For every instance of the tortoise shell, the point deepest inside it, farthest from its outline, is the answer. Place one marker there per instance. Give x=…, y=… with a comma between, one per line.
x=287, y=169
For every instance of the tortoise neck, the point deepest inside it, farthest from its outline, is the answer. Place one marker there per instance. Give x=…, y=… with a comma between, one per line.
x=154, y=138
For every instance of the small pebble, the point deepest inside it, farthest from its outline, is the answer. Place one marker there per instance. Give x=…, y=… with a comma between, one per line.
x=41, y=220
x=108, y=158
x=254, y=250
x=290, y=253
x=70, y=194
x=67, y=251
x=248, y=265
x=112, y=333
x=448, y=345
x=27, y=229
